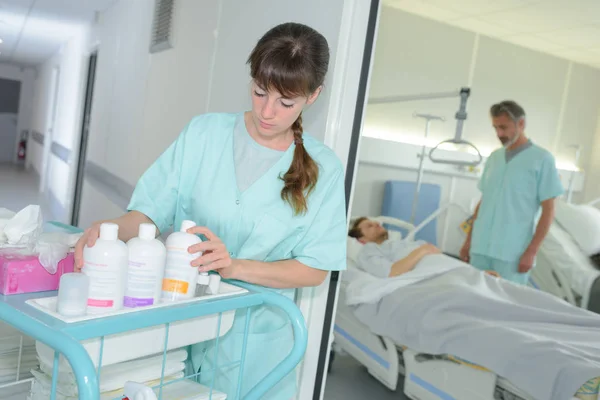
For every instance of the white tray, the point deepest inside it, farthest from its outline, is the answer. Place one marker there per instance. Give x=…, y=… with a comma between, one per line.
x=48, y=304
x=147, y=341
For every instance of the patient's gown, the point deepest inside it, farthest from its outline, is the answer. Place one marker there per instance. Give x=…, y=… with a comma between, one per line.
x=377, y=259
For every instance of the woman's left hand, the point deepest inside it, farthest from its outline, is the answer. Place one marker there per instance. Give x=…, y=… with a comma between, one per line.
x=215, y=256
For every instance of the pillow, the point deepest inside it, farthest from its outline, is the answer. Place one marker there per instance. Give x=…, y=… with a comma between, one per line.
x=394, y=235
x=582, y=222
x=353, y=247
x=352, y=272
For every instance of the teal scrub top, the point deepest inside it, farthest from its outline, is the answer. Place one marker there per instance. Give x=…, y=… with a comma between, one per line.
x=195, y=179
x=512, y=193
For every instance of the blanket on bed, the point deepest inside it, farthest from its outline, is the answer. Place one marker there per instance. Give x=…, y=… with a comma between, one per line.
x=542, y=344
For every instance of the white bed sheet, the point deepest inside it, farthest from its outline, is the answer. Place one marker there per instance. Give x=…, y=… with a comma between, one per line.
x=462, y=311
x=562, y=253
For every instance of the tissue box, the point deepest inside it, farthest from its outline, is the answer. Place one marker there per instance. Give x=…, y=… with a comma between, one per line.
x=24, y=274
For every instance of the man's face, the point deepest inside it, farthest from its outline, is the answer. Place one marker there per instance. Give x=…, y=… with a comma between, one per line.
x=506, y=128
x=372, y=231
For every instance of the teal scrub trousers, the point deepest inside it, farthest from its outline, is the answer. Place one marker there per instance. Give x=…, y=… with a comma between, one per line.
x=507, y=270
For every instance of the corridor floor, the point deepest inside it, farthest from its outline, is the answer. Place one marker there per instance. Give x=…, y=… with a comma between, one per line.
x=349, y=380
x=20, y=188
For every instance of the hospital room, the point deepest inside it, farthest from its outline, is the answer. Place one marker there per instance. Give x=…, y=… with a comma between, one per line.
x=453, y=87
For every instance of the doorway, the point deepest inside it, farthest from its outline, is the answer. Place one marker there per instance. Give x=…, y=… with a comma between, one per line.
x=85, y=131
x=10, y=94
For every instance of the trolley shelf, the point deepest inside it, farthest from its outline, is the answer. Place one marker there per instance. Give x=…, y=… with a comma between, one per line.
x=64, y=337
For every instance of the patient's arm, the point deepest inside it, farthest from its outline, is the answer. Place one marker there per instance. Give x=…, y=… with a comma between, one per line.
x=408, y=263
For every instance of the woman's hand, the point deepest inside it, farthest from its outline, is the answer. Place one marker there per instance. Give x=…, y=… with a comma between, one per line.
x=215, y=256
x=129, y=225
x=88, y=238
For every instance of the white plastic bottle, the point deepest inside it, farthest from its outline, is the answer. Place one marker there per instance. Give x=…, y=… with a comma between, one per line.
x=179, y=282
x=147, y=257
x=106, y=266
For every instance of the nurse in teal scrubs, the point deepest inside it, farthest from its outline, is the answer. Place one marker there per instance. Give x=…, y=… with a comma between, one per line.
x=518, y=180
x=268, y=197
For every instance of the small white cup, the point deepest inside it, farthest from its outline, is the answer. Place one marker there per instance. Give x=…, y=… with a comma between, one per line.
x=213, y=285
x=73, y=293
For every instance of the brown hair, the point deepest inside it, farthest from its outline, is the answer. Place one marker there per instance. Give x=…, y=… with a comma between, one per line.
x=293, y=59
x=355, y=231
x=510, y=108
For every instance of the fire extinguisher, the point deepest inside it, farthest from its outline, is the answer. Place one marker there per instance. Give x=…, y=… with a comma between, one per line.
x=22, y=150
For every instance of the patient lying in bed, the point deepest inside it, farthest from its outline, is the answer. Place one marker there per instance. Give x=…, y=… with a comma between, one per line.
x=388, y=258
x=435, y=304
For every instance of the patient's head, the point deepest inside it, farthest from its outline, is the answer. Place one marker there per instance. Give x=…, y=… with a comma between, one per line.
x=367, y=231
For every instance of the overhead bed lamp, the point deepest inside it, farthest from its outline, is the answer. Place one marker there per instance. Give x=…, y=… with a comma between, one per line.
x=461, y=116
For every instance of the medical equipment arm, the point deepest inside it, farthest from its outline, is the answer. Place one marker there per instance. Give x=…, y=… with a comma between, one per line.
x=283, y=274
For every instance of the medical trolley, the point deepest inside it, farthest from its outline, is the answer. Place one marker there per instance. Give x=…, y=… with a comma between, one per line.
x=84, y=346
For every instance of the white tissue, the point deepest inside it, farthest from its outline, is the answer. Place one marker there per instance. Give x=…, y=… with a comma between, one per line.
x=53, y=247
x=23, y=229
x=5, y=216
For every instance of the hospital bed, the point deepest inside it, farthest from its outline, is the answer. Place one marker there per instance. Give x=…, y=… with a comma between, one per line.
x=426, y=377
x=563, y=269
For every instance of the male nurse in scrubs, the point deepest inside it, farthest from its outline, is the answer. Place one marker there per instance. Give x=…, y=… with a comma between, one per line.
x=518, y=180
x=268, y=197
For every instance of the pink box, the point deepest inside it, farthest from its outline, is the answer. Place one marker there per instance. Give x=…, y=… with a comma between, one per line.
x=24, y=274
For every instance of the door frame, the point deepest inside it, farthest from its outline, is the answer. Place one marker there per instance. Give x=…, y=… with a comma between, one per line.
x=356, y=41
x=84, y=136
x=50, y=127
x=353, y=153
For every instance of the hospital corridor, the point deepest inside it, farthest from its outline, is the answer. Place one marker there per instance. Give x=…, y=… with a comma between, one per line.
x=299, y=200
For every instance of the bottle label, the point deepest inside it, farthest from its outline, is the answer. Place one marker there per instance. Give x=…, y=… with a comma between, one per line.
x=175, y=286
x=100, y=303
x=141, y=284
x=137, y=302
x=104, y=284
x=180, y=277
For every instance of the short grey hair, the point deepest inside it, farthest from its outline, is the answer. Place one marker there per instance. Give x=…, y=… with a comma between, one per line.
x=510, y=108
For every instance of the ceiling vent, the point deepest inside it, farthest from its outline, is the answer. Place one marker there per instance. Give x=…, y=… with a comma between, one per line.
x=162, y=26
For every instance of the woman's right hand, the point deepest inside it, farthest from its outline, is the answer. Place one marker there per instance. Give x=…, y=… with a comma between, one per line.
x=88, y=238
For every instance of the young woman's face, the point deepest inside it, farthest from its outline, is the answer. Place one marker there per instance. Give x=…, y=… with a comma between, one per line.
x=274, y=114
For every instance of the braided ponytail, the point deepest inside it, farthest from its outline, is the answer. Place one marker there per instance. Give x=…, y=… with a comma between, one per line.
x=301, y=178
